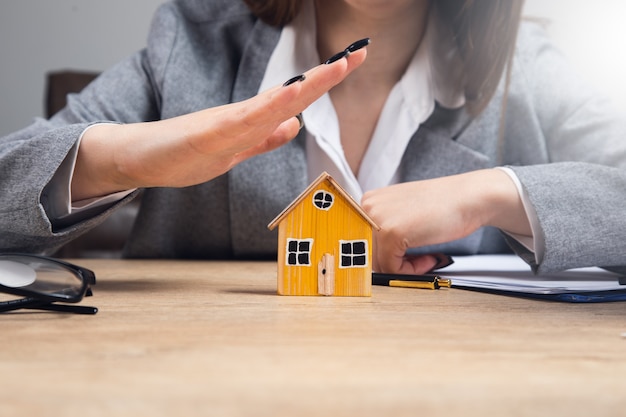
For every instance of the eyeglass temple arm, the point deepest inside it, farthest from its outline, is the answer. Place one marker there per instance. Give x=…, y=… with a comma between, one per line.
x=27, y=302
x=37, y=304
x=66, y=308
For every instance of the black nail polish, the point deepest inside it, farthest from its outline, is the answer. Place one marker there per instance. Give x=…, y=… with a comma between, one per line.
x=443, y=260
x=297, y=78
x=358, y=45
x=336, y=57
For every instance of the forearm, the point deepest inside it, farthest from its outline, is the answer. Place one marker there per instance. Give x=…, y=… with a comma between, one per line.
x=197, y=147
x=177, y=152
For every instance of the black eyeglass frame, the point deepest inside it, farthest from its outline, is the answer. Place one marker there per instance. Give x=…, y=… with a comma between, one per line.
x=43, y=301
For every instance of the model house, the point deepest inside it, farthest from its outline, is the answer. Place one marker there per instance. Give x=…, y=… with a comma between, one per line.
x=324, y=243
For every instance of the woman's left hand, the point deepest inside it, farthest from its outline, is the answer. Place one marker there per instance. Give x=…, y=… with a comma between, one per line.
x=440, y=210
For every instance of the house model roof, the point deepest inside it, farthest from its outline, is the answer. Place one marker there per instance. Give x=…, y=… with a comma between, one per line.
x=323, y=177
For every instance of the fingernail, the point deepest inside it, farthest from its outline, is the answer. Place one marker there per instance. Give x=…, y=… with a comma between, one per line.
x=297, y=78
x=336, y=57
x=355, y=46
x=358, y=45
x=300, y=120
x=443, y=260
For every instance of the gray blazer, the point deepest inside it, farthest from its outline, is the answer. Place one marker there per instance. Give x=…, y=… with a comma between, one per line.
x=565, y=145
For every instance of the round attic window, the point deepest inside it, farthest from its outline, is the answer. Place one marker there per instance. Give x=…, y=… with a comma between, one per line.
x=323, y=200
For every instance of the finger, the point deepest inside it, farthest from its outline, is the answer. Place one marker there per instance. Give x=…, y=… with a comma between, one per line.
x=389, y=253
x=443, y=260
x=418, y=264
x=244, y=125
x=281, y=103
x=407, y=264
x=321, y=79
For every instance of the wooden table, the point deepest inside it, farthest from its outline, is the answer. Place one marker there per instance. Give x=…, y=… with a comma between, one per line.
x=212, y=339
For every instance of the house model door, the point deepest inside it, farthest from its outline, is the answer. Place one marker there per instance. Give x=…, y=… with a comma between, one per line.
x=326, y=275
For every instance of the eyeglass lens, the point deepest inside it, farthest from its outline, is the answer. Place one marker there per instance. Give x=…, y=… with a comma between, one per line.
x=40, y=276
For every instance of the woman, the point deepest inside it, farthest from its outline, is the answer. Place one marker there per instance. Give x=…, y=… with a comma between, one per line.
x=535, y=164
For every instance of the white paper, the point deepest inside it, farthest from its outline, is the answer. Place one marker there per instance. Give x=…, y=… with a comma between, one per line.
x=510, y=273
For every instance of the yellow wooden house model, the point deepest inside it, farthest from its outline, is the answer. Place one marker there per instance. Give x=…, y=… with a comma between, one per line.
x=324, y=243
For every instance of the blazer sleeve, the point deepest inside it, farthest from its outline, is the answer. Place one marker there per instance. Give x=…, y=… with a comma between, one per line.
x=579, y=195
x=29, y=158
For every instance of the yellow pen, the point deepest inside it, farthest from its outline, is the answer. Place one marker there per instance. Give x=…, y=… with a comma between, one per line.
x=432, y=282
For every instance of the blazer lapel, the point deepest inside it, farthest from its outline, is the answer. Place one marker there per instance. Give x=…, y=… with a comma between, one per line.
x=261, y=187
x=439, y=147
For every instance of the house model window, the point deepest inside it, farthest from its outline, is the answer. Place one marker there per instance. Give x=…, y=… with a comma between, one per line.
x=323, y=200
x=353, y=253
x=299, y=251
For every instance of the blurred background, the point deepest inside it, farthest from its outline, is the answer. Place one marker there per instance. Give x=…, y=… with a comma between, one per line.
x=38, y=36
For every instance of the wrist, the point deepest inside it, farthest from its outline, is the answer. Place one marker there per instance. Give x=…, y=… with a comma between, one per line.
x=503, y=204
x=97, y=170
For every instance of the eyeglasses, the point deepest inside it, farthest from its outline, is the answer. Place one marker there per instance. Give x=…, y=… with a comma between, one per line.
x=44, y=284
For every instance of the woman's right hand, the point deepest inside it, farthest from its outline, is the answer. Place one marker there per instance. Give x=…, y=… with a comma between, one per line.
x=439, y=210
x=197, y=147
